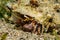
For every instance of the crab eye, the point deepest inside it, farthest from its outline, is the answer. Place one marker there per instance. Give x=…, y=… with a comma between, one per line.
x=34, y=3
x=51, y=19
x=58, y=10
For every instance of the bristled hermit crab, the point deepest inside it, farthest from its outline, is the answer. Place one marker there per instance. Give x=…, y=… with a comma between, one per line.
x=32, y=17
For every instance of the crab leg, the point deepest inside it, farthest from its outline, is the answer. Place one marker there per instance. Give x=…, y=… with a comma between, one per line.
x=39, y=30
x=47, y=26
x=34, y=28
x=42, y=28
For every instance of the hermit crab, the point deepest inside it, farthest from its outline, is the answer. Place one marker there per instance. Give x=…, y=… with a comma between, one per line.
x=34, y=19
